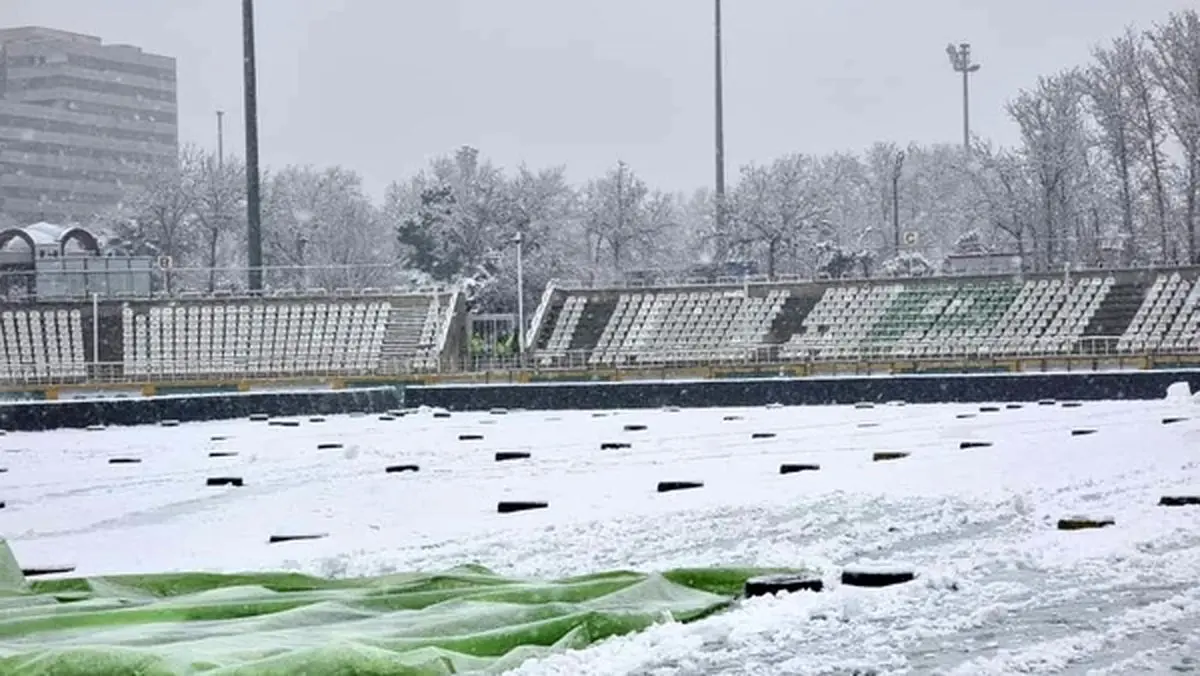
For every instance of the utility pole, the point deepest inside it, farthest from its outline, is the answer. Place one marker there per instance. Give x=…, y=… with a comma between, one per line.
x=719, y=119
x=220, y=139
x=960, y=60
x=250, y=86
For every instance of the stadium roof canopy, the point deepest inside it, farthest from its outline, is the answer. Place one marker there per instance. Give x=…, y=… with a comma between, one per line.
x=39, y=235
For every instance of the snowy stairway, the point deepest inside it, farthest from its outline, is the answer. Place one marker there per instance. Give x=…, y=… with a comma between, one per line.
x=402, y=335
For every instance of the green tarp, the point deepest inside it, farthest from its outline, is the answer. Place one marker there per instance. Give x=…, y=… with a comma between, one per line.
x=464, y=620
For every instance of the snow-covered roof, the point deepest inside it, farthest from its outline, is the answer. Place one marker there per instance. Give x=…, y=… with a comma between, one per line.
x=41, y=234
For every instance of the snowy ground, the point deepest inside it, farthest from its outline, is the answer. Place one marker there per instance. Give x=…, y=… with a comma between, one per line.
x=1000, y=590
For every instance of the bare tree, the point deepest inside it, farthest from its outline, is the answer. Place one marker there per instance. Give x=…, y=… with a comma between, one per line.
x=158, y=215
x=220, y=186
x=625, y=218
x=1051, y=123
x=1005, y=192
x=1112, y=103
x=776, y=206
x=320, y=224
x=1176, y=68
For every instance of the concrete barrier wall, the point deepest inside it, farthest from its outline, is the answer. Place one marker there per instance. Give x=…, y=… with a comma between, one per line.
x=923, y=389
x=47, y=415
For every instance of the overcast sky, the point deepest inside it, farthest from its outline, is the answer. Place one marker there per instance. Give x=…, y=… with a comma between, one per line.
x=381, y=85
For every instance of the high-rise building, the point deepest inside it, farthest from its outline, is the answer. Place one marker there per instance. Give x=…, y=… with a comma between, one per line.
x=80, y=120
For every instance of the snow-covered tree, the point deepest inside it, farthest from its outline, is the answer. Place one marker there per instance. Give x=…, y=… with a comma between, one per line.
x=625, y=223
x=1050, y=118
x=321, y=230
x=907, y=264
x=1176, y=67
x=1005, y=198
x=1112, y=103
x=539, y=207
x=777, y=207
x=158, y=216
x=220, y=211
x=451, y=219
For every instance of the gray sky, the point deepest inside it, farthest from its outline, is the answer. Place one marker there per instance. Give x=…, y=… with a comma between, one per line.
x=381, y=85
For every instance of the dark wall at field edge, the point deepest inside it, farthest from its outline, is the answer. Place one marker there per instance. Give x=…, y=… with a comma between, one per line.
x=81, y=413
x=939, y=389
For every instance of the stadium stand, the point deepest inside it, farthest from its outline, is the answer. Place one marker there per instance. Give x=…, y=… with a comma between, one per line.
x=254, y=338
x=41, y=344
x=1167, y=319
x=931, y=318
x=224, y=337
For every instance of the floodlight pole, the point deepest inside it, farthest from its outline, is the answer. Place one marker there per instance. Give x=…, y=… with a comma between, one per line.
x=250, y=87
x=960, y=60
x=719, y=120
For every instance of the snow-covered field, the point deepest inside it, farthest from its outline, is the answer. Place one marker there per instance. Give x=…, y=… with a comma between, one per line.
x=1000, y=589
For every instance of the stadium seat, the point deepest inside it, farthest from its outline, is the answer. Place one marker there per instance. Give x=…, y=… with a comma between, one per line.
x=230, y=339
x=678, y=327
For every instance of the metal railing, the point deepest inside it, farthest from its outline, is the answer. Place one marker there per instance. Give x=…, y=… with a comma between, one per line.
x=198, y=283
x=791, y=278
x=1092, y=354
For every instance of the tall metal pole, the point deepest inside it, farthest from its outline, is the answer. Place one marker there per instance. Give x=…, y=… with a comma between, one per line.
x=220, y=139
x=719, y=119
x=897, y=172
x=96, y=330
x=520, y=295
x=960, y=60
x=966, y=77
x=250, y=82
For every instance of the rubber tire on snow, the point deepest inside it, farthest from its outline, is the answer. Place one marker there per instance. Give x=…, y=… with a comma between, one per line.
x=1084, y=523
x=276, y=539
x=672, y=486
x=774, y=584
x=513, y=506
x=224, y=481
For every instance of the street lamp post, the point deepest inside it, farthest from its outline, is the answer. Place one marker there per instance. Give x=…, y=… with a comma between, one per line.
x=519, y=240
x=220, y=139
x=960, y=60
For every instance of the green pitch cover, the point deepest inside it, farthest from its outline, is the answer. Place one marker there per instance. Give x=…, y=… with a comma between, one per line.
x=464, y=620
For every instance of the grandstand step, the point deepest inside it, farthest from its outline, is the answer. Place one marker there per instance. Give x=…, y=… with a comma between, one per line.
x=790, y=319
x=595, y=317
x=1116, y=310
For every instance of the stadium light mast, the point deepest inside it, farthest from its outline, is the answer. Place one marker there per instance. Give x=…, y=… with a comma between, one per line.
x=719, y=119
x=250, y=87
x=960, y=60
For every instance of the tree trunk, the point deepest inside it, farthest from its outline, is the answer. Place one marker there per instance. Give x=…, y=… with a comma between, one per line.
x=214, y=235
x=1126, y=192
x=1193, y=177
x=772, y=247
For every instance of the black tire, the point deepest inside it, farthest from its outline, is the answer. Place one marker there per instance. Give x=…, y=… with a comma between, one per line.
x=512, y=506
x=774, y=584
